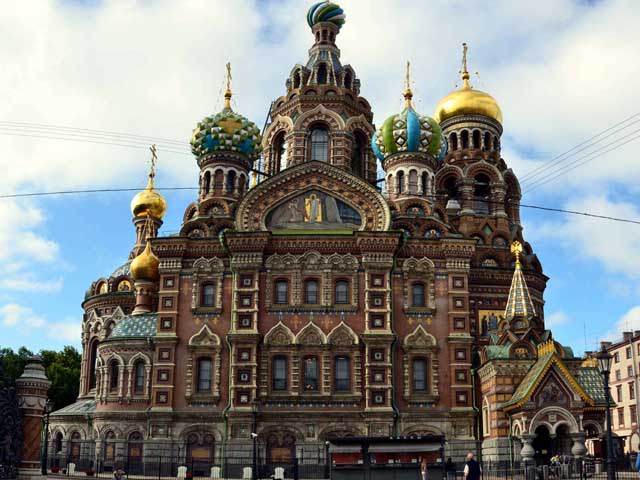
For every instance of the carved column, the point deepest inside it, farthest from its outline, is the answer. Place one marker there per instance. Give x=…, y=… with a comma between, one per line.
x=527, y=452
x=466, y=195
x=578, y=449
x=32, y=389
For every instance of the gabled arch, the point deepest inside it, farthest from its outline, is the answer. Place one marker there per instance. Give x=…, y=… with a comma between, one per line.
x=419, y=339
x=204, y=338
x=343, y=262
x=414, y=265
x=311, y=334
x=280, y=334
x=114, y=356
x=319, y=113
x=483, y=167
x=139, y=356
x=342, y=335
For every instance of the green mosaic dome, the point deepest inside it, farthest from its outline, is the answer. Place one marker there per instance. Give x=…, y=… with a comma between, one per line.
x=135, y=326
x=224, y=132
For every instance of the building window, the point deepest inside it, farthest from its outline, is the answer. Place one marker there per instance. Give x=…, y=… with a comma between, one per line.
x=92, y=364
x=616, y=357
x=279, y=374
x=113, y=370
x=377, y=321
x=420, y=375
x=629, y=371
x=319, y=144
x=618, y=375
x=379, y=398
x=311, y=292
x=342, y=291
x=628, y=352
x=621, y=417
x=417, y=295
x=619, y=392
x=461, y=398
x=461, y=354
x=282, y=292
x=632, y=391
x=342, y=374
x=208, y=295
x=634, y=415
x=280, y=150
x=204, y=375
x=458, y=323
x=139, y=376
x=311, y=374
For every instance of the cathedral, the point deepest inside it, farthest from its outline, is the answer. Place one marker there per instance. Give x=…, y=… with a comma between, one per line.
x=309, y=297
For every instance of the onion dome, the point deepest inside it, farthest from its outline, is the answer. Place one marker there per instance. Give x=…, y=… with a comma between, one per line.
x=467, y=100
x=145, y=266
x=227, y=131
x=408, y=131
x=149, y=202
x=325, y=12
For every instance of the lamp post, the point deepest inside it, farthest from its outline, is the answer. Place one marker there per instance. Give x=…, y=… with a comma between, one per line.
x=48, y=407
x=255, y=409
x=604, y=366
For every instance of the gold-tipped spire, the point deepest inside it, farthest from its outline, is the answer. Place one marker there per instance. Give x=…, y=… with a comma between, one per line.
x=519, y=303
x=227, y=93
x=149, y=201
x=408, y=94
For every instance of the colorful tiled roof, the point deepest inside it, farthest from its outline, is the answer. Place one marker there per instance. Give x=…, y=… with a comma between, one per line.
x=135, y=326
x=121, y=270
x=79, y=408
x=591, y=380
x=497, y=351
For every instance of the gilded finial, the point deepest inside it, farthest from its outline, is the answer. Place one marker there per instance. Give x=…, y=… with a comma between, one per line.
x=154, y=159
x=408, y=94
x=516, y=249
x=465, y=72
x=227, y=93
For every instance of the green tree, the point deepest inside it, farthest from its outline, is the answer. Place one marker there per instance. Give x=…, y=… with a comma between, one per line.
x=13, y=363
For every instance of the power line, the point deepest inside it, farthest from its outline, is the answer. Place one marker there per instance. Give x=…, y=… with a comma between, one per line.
x=554, y=160
x=137, y=189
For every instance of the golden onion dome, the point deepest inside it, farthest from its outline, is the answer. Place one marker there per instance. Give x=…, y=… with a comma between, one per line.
x=467, y=100
x=149, y=201
x=145, y=266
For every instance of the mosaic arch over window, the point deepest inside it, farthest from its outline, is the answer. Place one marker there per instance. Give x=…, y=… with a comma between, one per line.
x=313, y=210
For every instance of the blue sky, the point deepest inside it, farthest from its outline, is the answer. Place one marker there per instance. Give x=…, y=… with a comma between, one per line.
x=561, y=70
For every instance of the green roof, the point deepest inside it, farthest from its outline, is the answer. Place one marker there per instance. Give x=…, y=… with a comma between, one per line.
x=591, y=380
x=79, y=408
x=135, y=326
x=497, y=351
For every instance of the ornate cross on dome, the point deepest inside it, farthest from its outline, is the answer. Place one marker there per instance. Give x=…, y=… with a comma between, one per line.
x=154, y=159
x=516, y=249
x=465, y=71
x=408, y=94
x=227, y=93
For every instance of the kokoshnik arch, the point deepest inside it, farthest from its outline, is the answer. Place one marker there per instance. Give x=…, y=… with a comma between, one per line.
x=342, y=311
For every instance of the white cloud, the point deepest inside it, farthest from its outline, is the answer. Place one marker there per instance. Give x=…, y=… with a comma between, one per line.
x=556, y=319
x=27, y=282
x=14, y=315
x=68, y=330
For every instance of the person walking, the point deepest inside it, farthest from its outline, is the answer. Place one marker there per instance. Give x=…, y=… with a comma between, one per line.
x=638, y=463
x=450, y=469
x=472, y=469
x=423, y=469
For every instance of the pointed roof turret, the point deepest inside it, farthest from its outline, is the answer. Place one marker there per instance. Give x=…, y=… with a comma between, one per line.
x=519, y=303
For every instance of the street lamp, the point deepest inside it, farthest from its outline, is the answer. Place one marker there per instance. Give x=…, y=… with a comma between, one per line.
x=604, y=366
x=255, y=409
x=48, y=407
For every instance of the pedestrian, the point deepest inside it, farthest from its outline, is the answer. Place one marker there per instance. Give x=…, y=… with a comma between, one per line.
x=450, y=469
x=472, y=469
x=423, y=468
x=118, y=474
x=638, y=463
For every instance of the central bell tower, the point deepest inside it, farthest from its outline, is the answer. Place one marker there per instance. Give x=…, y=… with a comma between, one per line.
x=322, y=117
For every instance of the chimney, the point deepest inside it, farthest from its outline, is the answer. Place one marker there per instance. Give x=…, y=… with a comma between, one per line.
x=626, y=336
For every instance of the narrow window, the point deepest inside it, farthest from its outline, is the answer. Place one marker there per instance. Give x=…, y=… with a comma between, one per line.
x=114, y=376
x=342, y=291
x=400, y=187
x=208, y=295
x=311, y=374
x=311, y=292
x=92, y=364
x=322, y=74
x=139, y=376
x=280, y=373
x=453, y=140
x=487, y=141
x=476, y=139
x=204, y=375
x=280, y=152
x=282, y=292
x=347, y=80
x=417, y=295
x=425, y=183
x=419, y=375
x=342, y=374
x=231, y=181
x=465, y=139
x=319, y=144
x=296, y=79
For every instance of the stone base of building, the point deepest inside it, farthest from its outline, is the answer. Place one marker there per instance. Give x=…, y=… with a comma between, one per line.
x=30, y=474
x=458, y=450
x=497, y=450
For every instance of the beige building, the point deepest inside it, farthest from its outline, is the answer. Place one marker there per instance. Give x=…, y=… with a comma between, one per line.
x=625, y=368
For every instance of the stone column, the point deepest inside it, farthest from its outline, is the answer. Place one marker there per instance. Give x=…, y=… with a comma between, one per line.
x=527, y=452
x=32, y=388
x=578, y=448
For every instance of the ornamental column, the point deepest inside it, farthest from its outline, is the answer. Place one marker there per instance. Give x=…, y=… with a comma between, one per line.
x=32, y=388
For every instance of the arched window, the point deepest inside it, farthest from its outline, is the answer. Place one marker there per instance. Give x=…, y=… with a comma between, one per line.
x=476, y=139
x=400, y=182
x=465, y=139
x=281, y=292
x=486, y=426
x=453, y=141
x=204, y=375
x=425, y=183
x=208, y=295
x=420, y=375
x=75, y=447
x=417, y=295
x=310, y=380
x=93, y=357
x=341, y=294
x=280, y=152
x=207, y=183
x=57, y=444
x=113, y=375
x=496, y=144
x=231, y=181
x=218, y=180
x=320, y=144
x=413, y=182
x=139, y=376
x=451, y=187
x=110, y=447
x=321, y=75
x=342, y=374
x=242, y=184
x=296, y=79
x=279, y=373
x=481, y=193
x=311, y=292
x=134, y=453
x=487, y=141
x=347, y=80
x=358, y=155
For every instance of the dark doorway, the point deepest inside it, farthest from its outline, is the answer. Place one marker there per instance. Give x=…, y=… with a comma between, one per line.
x=542, y=445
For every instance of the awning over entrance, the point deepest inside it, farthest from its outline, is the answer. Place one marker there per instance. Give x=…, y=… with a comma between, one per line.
x=405, y=448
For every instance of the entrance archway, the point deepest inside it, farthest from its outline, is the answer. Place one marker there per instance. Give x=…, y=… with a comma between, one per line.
x=542, y=445
x=562, y=441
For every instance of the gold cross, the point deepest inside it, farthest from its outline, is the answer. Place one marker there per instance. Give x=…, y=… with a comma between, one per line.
x=229, y=75
x=154, y=158
x=227, y=93
x=464, y=57
x=230, y=125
